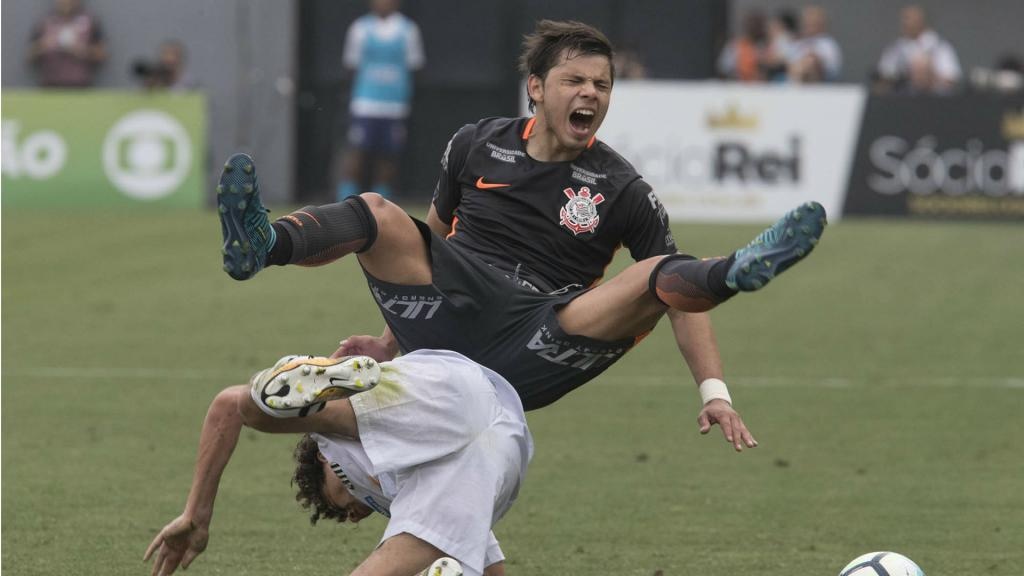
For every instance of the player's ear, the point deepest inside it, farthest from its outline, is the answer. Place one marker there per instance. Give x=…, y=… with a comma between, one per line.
x=535, y=87
x=320, y=456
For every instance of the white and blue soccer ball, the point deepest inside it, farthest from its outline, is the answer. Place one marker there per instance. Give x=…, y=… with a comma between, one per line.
x=881, y=564
x=443, y=567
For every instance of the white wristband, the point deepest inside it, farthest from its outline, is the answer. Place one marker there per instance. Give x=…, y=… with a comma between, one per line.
x=712, y=389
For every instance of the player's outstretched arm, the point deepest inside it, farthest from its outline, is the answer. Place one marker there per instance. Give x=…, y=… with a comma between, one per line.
x=696, y=340
x=186, y=536
x=720, y=412
x=176, y=545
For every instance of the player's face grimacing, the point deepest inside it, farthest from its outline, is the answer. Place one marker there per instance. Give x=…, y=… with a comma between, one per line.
x=572, y=102
x=337, y=494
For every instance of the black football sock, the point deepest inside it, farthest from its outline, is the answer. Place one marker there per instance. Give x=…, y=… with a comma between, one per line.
x=281, y=252
x=317, y=235
x=684, y=283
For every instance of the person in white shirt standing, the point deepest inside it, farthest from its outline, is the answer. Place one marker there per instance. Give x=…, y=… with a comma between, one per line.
x=919, y=61
x=433, y=441
x=383, y=48
x=816, y=56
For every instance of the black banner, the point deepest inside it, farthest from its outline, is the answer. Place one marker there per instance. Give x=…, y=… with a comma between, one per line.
x=958, y=157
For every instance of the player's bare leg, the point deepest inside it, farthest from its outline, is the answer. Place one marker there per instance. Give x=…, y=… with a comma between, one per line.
x=336, y=417
x=400, y=555
x=631, y=303
x=399, y=255
x=619, y=309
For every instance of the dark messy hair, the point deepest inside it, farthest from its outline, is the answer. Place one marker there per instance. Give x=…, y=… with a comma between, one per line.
x=309, y=477
x=543, y=49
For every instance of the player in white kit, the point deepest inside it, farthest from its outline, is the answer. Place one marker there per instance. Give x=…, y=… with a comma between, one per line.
x=432, y=440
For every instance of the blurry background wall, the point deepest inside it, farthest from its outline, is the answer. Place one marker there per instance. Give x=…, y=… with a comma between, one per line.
x=241, y=53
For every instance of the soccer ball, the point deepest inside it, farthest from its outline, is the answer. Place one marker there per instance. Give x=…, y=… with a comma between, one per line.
x=881, y=564
x=443, y=567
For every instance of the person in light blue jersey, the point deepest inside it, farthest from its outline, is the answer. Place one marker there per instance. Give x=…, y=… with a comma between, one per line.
x=383, y=48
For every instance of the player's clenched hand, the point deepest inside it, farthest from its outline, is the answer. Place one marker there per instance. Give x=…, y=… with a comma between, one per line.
x=720, y=412
x=177, y=544
x=376, y=347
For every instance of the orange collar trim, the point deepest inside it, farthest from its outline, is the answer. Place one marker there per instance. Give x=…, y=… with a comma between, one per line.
x=529, y=127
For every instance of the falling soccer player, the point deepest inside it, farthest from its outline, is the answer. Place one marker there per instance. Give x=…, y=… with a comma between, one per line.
x=526, y=216
x=432, y=440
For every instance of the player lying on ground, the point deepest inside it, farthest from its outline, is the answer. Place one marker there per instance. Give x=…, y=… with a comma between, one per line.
x=432, y=440
x=526, y=215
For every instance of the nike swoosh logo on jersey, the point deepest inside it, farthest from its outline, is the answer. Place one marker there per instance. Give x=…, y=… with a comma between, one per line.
x=488, y=185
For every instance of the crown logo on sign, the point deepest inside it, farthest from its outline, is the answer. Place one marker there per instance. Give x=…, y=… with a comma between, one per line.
x=1013, y=125
x=731, y=119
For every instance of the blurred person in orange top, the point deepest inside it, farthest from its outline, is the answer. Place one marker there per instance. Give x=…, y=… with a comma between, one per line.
x=741, y=58
x=67, y=46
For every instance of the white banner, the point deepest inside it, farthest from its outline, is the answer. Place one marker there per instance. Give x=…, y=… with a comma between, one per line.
x=732, y=153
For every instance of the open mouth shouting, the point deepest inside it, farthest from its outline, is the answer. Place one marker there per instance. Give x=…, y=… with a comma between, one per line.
x=580, y=122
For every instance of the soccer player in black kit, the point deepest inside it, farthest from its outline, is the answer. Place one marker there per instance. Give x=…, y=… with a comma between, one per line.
x=526, y=215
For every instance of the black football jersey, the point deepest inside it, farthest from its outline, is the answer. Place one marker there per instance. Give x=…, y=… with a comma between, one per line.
x=555, y=225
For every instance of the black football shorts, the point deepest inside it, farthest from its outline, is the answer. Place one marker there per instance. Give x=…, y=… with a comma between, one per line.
x=480, y=312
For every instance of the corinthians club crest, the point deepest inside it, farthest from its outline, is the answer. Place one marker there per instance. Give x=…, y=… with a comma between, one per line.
x=580, y=213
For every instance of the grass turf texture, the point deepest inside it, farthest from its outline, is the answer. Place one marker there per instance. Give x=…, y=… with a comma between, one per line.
x=884, y=379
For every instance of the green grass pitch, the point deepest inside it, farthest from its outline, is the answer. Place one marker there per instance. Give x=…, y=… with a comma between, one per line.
x=883, y=377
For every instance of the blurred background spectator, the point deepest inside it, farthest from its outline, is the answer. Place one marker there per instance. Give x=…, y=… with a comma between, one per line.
x=919, y=61
x=782, y=31
x=67, y=46
x=383, y=48
x=629, y=64
x=816, y=56
x=168, y=71
x=742, y=57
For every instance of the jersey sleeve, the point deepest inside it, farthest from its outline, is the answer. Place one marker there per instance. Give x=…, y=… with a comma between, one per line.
x=494, y=553
x=448, y=192
x=414, y=56
x=647, y=232
x=351, y=54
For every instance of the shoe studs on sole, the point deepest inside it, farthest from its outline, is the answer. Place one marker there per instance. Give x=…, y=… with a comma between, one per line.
x=298, y=386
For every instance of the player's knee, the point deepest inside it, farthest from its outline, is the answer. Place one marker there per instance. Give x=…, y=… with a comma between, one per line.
x=387, y=218
x=249, y=412
x=377, y=206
